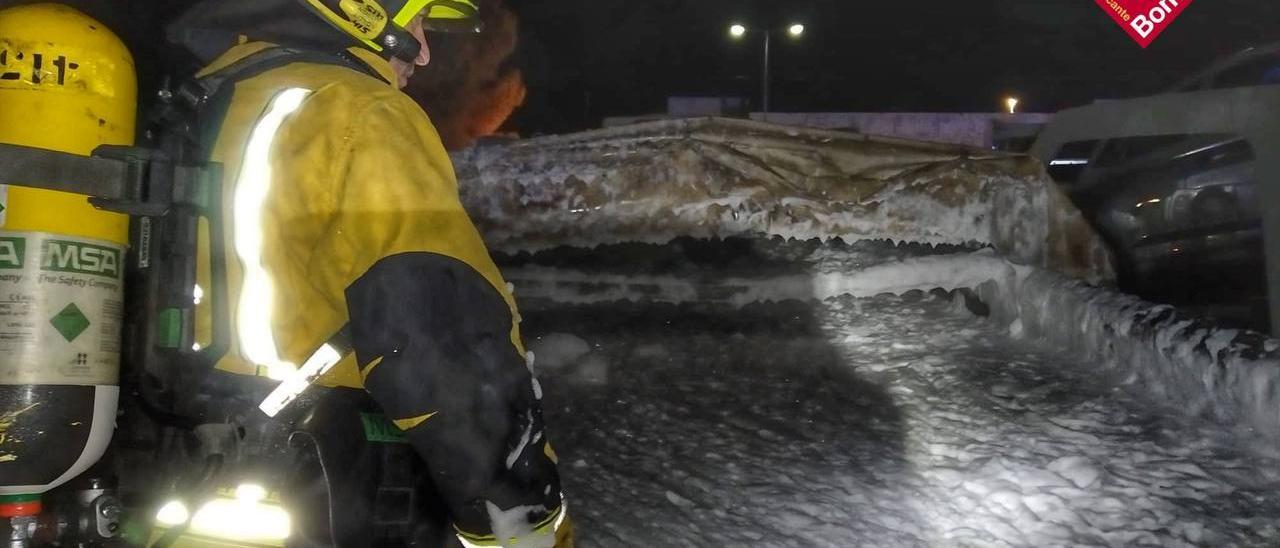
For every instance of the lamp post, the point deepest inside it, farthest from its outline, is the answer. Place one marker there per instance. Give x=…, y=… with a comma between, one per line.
x=738, y=31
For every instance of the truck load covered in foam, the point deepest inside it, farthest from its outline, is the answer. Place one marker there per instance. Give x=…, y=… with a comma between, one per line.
x=716, y=178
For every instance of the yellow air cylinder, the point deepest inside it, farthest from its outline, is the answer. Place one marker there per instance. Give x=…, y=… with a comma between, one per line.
x=67, y=83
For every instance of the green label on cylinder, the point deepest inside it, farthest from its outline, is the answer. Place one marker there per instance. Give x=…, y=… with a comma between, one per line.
x=378, y=428
x=61, y=308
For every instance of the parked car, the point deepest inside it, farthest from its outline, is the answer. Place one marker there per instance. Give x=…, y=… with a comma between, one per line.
x=1181, y=211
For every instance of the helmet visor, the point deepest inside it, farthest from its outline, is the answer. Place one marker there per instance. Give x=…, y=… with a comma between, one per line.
x=442, y=15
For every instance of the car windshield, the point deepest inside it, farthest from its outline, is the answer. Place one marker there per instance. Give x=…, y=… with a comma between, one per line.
x=1262, y=70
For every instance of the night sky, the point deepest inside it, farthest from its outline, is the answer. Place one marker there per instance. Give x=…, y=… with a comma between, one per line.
x=586, y=59
x=583, y=60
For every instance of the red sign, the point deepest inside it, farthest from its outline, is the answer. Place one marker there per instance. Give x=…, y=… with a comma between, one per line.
x=1144, y=20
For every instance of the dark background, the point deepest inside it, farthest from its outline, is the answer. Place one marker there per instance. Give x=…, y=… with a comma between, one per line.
x=582, y=60
x=585, y=59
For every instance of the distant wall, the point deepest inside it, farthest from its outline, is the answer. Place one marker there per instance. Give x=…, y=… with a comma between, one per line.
x=687, y=107
x=983, y=130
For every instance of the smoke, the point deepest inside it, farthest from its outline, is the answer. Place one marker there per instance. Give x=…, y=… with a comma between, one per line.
x=472, y=85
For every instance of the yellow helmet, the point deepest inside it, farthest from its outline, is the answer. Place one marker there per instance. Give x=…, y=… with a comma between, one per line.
x=380, y=24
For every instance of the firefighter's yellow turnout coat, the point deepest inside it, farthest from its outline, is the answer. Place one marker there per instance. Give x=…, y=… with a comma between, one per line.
x=342, y=215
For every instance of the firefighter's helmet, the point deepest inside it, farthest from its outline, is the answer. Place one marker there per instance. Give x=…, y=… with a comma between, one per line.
x=380, y=24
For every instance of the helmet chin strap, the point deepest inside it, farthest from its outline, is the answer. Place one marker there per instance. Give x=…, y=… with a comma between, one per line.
x=399, y=44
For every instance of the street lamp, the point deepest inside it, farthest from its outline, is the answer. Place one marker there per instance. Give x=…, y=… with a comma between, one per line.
x=738, y=31
x=1012, y=104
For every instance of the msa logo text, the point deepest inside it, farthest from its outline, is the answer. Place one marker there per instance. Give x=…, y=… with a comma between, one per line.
x=12, y=253
x=79, y=258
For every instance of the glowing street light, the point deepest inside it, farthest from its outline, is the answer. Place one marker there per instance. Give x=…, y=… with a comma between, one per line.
x=737, y=31
x=1012, y=104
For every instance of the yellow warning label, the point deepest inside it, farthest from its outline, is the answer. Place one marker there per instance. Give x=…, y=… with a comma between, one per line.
x=36, y=66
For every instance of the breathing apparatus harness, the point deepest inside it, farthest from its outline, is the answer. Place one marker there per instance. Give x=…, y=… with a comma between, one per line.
x=170, y=188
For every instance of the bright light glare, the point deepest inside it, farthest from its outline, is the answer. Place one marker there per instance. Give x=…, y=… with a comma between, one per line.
x=281, y=371
x=737, y=31
x=241, y=520
x=173, y=513
x=796, y=30
x=295, y=382
x=250, y=493
x=1012, y=104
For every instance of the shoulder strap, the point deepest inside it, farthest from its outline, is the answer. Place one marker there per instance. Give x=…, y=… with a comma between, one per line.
x=202, y=90
x=207, y=99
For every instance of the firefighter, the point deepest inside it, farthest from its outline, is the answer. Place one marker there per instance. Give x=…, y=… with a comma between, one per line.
x=344, y=223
